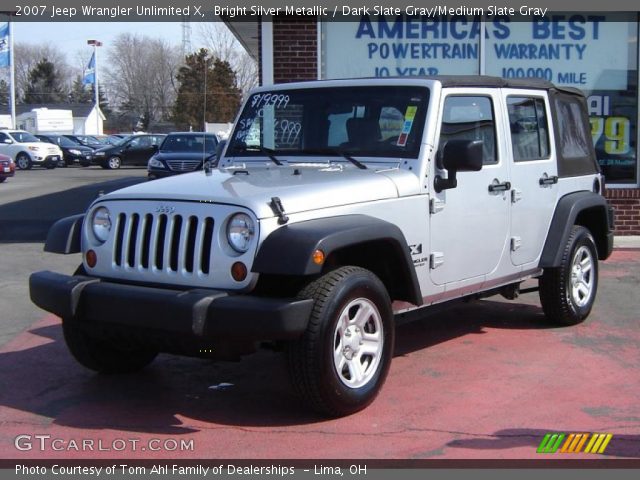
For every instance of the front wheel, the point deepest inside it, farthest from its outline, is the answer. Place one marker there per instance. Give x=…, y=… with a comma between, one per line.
x=567, y=292
x=341, y=362
x=114, y=163
x=102, y=356
x=23, y=162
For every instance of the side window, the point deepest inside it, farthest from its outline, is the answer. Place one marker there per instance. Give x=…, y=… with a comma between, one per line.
x=144, y=142
x=469, y=118
x=529, y=128
x=3, y=137
x=574, y=142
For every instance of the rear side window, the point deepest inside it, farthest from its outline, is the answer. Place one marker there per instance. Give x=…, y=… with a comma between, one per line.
x=469, y=118
x=574, y=142
x=574, y=147
x=529, y=128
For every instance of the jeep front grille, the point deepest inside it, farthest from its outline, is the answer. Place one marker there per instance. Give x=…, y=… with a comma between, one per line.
x=160, y=242
x=183, y=165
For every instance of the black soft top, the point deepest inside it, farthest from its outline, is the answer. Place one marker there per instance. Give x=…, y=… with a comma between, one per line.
x=497, y=82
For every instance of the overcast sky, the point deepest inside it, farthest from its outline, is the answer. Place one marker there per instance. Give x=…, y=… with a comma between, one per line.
x=72, y=36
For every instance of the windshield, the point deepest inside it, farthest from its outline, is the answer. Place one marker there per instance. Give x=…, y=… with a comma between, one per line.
x=121, y=141
x=189, y=143
x=24, y=137
x=65, y=142
x=382, y=121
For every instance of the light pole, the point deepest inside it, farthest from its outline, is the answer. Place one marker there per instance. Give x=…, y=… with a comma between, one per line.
x=96, y=44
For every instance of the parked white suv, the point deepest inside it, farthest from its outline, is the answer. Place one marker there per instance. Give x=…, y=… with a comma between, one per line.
x=338, y=208
x=27, y=150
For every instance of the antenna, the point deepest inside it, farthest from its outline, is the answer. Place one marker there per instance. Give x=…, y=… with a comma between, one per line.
x=186, y=36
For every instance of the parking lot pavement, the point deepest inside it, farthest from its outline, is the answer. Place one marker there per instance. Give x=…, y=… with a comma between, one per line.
x=30, y=203
x=484, y=380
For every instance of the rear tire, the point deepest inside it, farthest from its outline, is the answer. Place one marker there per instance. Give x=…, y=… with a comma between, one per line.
x=567, y=292
x=102, y=356
x=341, y=362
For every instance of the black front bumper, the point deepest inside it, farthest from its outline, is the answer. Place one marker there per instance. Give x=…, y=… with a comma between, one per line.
x=200, y=315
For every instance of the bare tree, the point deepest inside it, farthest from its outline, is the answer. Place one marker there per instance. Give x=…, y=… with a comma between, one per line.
x=141, y=76
x=27, y=56
x=220, y=41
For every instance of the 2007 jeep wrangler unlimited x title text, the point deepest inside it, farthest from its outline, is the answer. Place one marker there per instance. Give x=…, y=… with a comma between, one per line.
x=336, y=206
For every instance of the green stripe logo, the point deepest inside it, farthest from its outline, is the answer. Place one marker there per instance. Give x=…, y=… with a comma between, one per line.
x=551, y=442
x=598, y=442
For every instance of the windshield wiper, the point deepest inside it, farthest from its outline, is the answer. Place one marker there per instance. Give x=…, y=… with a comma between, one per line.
x=336, y=152
x=265, y=151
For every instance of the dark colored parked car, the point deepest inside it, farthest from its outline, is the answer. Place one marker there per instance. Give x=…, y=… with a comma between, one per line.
x=7, y=167
x=72, y=152
x=133, y=150
x=87, y=141
x=182, y=152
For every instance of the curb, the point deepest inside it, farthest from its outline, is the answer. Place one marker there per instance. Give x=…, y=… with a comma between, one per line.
x=629, y=242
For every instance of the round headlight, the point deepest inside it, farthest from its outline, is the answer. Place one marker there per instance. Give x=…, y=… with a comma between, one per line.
x=101, y=223
x=240, y=232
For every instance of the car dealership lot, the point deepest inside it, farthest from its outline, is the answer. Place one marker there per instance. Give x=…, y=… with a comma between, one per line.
x=484, y=380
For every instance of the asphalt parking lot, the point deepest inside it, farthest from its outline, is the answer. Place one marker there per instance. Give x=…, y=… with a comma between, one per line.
x=485, y=380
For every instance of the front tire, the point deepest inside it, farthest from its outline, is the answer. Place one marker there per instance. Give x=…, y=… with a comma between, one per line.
x=341, y=362
x=102, y=356
x=114, y=163
x=567, y=292
x=23, y=162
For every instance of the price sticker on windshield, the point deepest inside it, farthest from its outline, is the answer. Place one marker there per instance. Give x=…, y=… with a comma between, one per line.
x=409, y=116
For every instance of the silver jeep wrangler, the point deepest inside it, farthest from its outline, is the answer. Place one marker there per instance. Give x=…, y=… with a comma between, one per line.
x=336, y=206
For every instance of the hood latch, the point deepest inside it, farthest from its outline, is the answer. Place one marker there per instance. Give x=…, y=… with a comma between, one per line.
x=278, y=209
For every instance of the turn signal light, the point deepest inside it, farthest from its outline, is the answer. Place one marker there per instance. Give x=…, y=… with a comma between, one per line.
x=239, y=271
x=92, y=258
x=318, y=257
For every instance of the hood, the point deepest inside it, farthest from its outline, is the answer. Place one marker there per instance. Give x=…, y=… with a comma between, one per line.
x=300, y=188
x=43, y=145
x=181, y=155
x=81, y=148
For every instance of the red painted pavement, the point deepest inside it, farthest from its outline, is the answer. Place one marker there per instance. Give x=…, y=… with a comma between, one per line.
x=486, y=380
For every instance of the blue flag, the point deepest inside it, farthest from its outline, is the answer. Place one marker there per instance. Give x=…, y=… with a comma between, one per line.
x=90, y=73
x=4, y=46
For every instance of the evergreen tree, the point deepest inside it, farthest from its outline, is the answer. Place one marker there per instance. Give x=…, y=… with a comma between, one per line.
x=4, y=93
x=80, y=93
x=222, y=93
x=102, y=99
x=45, y=84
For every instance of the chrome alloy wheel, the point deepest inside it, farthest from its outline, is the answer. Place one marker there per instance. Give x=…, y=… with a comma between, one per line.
x=582, y=279
x=358, y=343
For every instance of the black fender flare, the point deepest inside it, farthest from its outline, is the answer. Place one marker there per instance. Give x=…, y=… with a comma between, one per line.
x=289, y=249
x=64, y=235
x=564, y=218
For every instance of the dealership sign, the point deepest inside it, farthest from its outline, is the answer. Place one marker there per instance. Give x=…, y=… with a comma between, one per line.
x=587, y=51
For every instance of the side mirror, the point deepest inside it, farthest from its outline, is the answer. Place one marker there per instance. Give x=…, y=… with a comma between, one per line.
x=8, y=141
x=458, y=156
x=155, y=147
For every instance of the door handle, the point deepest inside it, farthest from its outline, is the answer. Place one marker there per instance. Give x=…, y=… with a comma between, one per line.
x=500, y=187
x=544, y=180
